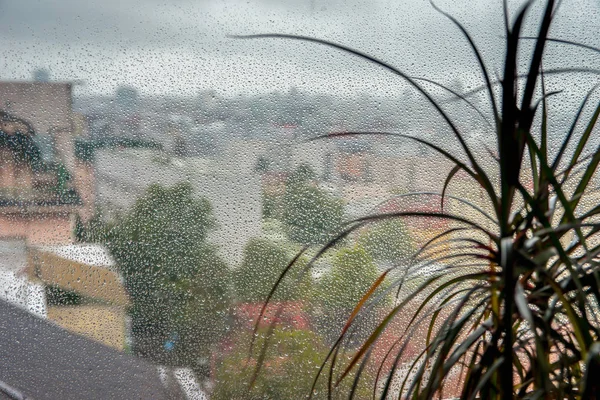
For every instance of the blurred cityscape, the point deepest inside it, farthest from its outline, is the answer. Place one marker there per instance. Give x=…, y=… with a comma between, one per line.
x=156, y=226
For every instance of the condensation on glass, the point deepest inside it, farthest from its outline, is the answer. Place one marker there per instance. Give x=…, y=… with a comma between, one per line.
x=158, y=176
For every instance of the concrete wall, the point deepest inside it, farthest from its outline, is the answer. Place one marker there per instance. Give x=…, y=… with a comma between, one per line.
x=39, y=229
x=14, y=175
x=93, y=281
x=98, y=322
x=85, y=184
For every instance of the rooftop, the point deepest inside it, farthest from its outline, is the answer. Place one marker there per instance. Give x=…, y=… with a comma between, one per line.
x=50, y=363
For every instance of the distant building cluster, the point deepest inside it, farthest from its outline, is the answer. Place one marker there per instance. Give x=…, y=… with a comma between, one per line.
x=65, y=162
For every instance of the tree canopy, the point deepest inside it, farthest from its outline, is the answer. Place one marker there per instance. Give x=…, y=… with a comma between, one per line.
x=310, y=213
x=352, y=273
x=177, y=282
x=388, y=241
x=263, y=263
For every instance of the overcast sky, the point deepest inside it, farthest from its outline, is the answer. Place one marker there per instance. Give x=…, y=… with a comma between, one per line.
x=181, y=46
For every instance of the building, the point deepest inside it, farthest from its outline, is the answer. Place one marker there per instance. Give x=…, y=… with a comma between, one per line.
x=42, y=184
x=44, y=189
x=85, y=293
x=15, y=286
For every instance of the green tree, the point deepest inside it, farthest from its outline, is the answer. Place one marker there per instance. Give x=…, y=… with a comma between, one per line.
x=388, y=241
x=263, y=263
x=352, y=272
x=303, y=174
x=289, y=362
x=310, y=213
x=263, y=164
x=176, y=280
x=271, y=206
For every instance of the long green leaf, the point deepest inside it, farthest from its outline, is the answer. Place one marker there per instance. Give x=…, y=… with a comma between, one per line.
x=452, y=172
x=567, y=42
x=584, y=138
x=567, y=139
x=479, y=58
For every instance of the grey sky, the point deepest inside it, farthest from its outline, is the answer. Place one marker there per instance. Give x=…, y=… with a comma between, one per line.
x=181, y=46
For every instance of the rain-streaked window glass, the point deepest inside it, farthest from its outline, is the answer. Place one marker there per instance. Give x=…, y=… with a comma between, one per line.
x=290, y=199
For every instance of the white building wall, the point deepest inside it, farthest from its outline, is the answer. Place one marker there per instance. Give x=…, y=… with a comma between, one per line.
x=235, y=193
x=15, y=287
